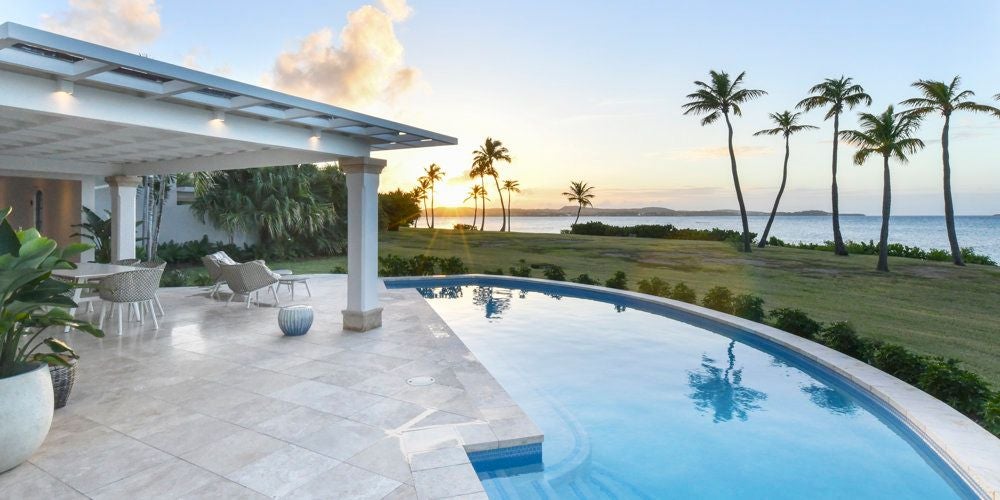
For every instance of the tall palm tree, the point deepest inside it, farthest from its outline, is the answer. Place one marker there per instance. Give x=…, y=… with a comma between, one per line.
x=721, y=96
x=889, y=134
x=474, y=195
x=479, y=169
x=835, y=93
x=433, y=174
x=511, y=186
x=787, y=124
x=490, y=153
x=946, y=98
x=582, y=194
x=423, y=186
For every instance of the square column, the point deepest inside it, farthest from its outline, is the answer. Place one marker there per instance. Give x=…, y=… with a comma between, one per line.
x=123, y=189
x=363, y=312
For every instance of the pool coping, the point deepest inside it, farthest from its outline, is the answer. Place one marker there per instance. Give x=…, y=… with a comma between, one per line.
x=972, y=451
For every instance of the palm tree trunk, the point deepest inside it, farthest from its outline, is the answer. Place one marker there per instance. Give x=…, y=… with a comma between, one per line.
x=432, y=206
x=503, y=208
x=578, y=209
x=482, y=184
x=508, y=210
x=781, y=190
x=427, y=221
x=475, y=210
x=739, y=192
x=838, y=239
x=883, y=246
x=949, y=207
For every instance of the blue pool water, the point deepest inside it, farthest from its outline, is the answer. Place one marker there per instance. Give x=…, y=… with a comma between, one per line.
x=658, y=403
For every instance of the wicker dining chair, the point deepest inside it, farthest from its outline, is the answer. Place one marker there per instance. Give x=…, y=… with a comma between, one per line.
x=155, y=264
x=126, y=262
x=250, y=278
x=133, y=288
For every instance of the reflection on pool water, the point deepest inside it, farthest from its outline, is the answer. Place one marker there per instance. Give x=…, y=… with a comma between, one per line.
x=640, y=405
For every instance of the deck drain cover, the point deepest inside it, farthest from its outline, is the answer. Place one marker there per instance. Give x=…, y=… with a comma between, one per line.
x=420, y=381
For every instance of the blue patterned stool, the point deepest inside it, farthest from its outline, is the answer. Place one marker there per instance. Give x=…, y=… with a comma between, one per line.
x=295, y=320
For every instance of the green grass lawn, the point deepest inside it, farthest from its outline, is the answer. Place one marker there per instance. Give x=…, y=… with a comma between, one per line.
x=931, y=307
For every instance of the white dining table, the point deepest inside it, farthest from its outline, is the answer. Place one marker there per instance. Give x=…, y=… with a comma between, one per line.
x=87, y=271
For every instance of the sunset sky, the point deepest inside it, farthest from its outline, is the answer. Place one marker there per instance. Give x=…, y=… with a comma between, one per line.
x=593, y=90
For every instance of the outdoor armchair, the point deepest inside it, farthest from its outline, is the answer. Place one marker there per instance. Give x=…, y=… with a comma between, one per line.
x=154, y=264
x=134, y=288
x=250, y=278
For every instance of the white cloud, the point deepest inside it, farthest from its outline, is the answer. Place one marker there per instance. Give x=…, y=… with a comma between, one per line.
x=366, y=68
x=711, y=153
x=121, y=24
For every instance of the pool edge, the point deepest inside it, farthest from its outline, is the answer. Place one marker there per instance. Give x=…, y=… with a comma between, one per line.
x=970, y=450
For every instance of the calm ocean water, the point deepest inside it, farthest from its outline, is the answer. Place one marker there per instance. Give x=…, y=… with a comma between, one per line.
x=981, y=233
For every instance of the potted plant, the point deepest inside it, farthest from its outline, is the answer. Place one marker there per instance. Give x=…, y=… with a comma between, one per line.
x=31, y=301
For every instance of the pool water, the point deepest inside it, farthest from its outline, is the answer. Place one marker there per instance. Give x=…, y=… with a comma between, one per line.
x=641, y=405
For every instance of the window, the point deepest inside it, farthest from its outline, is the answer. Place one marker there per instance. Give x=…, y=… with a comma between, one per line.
x=38, y=210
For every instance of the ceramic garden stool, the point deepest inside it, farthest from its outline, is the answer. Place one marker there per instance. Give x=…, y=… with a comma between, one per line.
x=295, y=320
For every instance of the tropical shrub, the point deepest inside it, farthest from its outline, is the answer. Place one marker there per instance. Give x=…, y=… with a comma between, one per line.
x=338, y=270
x=719, y=298
x=897, y=361
x=495, y=272
x=841, y=336
x=420, y=265
x=894, y=249
x=31, y=301
x=796, y=322
x=619, y=281
x=452, y=265
x=554, y=273
x=662, y=231
x=177, y=277
x=749, y=307
x=585, y=279
x=96, y=230
x=521, y=270
x=991, y=414
x=397, y=209
x=654, y=286
x=961, y=389
x=464, y=227
x=684, y=293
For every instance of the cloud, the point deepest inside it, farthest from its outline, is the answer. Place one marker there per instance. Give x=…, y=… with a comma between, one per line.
x=194, y=59
x=711, y=153
x=122, y=24
x=366, y=68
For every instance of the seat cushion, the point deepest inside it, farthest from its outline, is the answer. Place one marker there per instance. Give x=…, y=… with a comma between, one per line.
x=223, y=258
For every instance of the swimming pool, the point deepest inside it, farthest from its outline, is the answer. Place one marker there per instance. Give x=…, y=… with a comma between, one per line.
x=638, y=401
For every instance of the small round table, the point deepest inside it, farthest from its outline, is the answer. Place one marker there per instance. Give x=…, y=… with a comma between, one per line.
x=290, y=280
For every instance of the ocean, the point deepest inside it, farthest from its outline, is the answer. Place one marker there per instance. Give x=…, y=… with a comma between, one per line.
x=979, y=232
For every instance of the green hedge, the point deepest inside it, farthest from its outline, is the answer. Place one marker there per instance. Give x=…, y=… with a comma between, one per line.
x=661, y=231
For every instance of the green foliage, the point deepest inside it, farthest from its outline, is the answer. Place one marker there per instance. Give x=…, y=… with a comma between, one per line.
x=895, y=250
x=662, y=231
x=464, y=227
x=494, y=272
x=31, y=301
x=991, y=414
x=654, y=286
x=841, y=336
x=338, y=270
x=719, y=298
x=795, y=321
x=97, y=231
x=961, y=389
x=897, y=361
x=749, y=307
x=192, y=277
x=420, y=265
x=585, y=279
x=684, y=293
x=619, y=281
x=554, y=273
x=521, y=270
x=397, y=209
x=191, y=252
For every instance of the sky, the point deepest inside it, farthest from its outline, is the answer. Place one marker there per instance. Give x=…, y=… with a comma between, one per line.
x=592, y=91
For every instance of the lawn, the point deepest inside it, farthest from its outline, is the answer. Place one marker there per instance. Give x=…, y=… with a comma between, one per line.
x=931, y=307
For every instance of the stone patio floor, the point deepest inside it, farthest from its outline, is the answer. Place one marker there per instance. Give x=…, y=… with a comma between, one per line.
x=216, y=403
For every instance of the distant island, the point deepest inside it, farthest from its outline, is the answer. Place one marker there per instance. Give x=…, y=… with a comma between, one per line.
x=570, y=211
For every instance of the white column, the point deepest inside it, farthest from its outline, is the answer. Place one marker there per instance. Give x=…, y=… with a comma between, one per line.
x=87, y=199
x=363, y=312
x=123, y=190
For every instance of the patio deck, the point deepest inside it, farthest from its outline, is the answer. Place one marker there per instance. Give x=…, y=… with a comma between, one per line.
x=218, y=404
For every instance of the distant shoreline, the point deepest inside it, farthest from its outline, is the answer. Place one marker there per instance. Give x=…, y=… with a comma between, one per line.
x=570, y=211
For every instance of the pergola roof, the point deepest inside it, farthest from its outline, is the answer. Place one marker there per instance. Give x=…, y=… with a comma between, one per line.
x=66, y=101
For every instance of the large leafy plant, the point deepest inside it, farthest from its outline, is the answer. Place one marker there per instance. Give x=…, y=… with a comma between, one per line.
x=31, y=301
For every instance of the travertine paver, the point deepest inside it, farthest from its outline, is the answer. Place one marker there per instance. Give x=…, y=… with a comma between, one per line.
x=218, y=404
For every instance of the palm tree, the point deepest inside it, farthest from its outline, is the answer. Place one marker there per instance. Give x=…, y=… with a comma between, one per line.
x=580, y=193
x=889, y=134
x=479, y=169
x=475, y=194
x=721, y=391
x=945, y=98
x=787, y=124
x=424, y=185
x=510, y=186
x=835, y=93
x=491, y=152
x=433, y=174
x=723, y=95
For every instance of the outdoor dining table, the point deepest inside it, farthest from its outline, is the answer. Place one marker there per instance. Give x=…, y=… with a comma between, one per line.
x=88, y=271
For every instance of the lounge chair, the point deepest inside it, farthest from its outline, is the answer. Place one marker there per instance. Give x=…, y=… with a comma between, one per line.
x=250, y=278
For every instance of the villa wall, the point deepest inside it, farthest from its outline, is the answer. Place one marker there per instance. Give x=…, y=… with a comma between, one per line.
x=60, y=205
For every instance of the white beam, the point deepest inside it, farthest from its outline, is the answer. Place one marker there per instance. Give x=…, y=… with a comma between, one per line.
x=123, y=190
x=363, y=312
x=54, y=166
x=246, y=159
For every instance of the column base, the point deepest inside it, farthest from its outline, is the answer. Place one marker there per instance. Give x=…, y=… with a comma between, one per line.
x=362, y=321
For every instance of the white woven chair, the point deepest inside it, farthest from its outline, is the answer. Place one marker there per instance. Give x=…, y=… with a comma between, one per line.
x=134, y=288
x=155, y=264
x=249, y=279
x=213, y=264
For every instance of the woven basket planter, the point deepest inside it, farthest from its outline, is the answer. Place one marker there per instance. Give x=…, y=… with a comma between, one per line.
x=63, y=378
